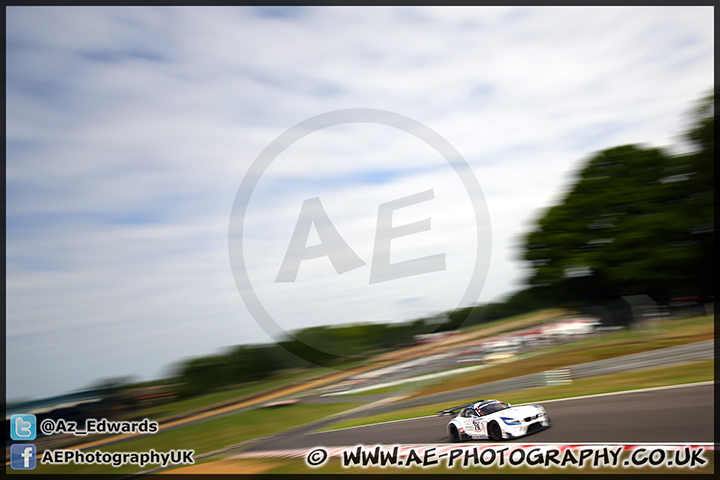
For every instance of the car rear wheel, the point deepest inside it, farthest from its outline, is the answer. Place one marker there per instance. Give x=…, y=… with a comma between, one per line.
x=494, y=432
x=454, y=434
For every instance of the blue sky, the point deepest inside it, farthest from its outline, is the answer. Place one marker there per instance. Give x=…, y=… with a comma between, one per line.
x=130, y=129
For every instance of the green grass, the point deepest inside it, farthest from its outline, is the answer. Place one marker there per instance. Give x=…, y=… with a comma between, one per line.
x=208, y=435
x=403, y=387
x=689, y=373
x=213, y=400
x=597, y=347
x=192, y=406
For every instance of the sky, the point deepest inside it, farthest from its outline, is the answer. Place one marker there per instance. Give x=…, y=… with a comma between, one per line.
x=136, y=146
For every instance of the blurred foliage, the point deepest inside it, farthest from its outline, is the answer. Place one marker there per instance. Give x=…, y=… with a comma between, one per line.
x=637, y=221
x=114, y=383
x=359, y=341
x=523, y=301
x=243, y=364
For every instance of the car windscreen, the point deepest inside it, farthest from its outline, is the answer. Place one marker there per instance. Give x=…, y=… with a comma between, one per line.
x=492, y=408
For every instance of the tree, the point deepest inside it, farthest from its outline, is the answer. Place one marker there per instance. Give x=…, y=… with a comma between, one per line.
x=637, y=220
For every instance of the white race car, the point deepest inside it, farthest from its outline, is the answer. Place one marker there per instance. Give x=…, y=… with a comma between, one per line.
x=495, y=420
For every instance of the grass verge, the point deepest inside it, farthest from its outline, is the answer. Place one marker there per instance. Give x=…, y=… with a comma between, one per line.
x=206, y=436
x=664, y=333
x=616, y=382
x=218, y=399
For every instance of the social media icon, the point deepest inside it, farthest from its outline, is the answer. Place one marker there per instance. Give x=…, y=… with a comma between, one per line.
x=22, y=456
x=23, y=426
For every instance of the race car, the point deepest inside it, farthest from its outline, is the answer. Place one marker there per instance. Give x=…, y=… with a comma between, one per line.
x=494, y=420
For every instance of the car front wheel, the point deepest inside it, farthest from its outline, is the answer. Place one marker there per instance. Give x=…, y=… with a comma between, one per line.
x=494, y=432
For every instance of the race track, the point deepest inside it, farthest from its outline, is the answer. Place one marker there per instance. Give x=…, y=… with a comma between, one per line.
x=673, y=415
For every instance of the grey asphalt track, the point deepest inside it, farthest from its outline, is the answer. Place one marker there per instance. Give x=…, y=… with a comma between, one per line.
x=676, y=415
